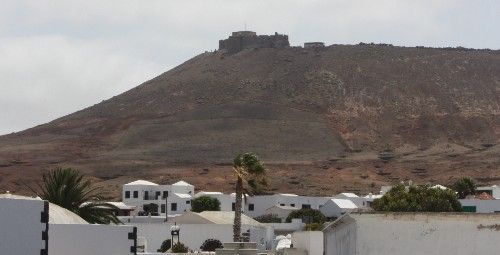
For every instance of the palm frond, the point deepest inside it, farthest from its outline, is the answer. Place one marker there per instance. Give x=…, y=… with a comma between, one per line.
x=68, y=189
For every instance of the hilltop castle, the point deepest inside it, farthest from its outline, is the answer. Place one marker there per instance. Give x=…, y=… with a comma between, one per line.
x=250, y=40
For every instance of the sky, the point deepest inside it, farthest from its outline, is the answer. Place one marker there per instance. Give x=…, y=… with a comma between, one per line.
x=57, y=57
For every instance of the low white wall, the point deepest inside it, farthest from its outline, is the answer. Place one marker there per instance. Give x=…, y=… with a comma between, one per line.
x=21, y=227
x=193, y=235
x=309, y=241
x=415, y=234
x=76, y=239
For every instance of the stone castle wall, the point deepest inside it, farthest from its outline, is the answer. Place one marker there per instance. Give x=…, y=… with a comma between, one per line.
x=249, y=40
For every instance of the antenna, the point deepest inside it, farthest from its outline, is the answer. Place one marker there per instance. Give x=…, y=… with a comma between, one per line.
x=245, y=26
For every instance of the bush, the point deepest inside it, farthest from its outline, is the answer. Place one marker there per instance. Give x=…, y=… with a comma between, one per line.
x=179, y=248
x=464, y=187
x=165, y=246
x=268, y=218
x=417, y=199
x=205, y=203
x=307, y=216
x=314, y=227
x=211, y=245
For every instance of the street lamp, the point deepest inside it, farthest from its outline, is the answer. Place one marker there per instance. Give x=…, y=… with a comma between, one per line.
x=174, y=231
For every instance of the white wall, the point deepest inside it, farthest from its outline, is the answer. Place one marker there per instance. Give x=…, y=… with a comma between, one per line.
x=78, y=239
x=192, y=235
x=412, y=233
x=309, y=241
x=482, y=206
x=21, y=227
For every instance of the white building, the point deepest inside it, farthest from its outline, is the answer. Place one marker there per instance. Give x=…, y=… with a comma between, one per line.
x=175, y=198
x=494, y=191
x=336, y=207
x=257, y=205
x=31, y=226
x=413, y=233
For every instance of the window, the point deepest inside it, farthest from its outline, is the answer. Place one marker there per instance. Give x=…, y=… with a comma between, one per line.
x=306, y=206
x=165, y=194
x=127, y=194
x=162, y=208
x=146, y=195
x=136, y=194
x=292, y=205
x=173, y=207
x=282, y=204
x=233, y=207
x=157, y=195
x=188, y=202
x=251, y=207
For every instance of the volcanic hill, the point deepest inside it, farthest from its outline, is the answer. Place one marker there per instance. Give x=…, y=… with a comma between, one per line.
x=324, y=119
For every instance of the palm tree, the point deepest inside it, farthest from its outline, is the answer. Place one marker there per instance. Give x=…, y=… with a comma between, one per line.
x=67, y=188
x=249, y=171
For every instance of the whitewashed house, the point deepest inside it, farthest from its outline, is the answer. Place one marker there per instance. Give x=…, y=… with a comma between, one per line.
x=174, y=199
x=336, y=207
x=480, y=205
x=257, y=205
x=494, y=190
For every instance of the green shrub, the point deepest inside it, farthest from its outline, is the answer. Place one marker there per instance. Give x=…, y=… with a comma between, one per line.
x=268, y=218
x=205, y=203
x=464, y=187
x=314, y=227
x=211, y=245
x=417, y=199
x=307, y=216
x=179, y=248
x=165, y=245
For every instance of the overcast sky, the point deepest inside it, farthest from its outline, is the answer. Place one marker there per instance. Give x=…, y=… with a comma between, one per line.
x=57, y=57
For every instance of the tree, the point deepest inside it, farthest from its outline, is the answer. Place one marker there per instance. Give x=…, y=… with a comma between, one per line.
x=417, y=199
x=205, y=203
x=307, y=216
x=464, y=187
x=150, y=209
x=251, y=178
x=165, y=246
x=179, y=248
x=68, y=189
x=211, y=245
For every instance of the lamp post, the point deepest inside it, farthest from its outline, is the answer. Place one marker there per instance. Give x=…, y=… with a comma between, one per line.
x=174, y=231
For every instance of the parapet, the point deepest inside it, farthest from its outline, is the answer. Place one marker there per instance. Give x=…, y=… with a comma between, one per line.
x=241, y=40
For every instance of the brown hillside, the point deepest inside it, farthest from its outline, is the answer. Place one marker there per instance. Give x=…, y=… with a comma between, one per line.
x=319, y=117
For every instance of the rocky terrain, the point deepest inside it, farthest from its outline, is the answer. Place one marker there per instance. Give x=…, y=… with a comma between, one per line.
x=343, y=117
